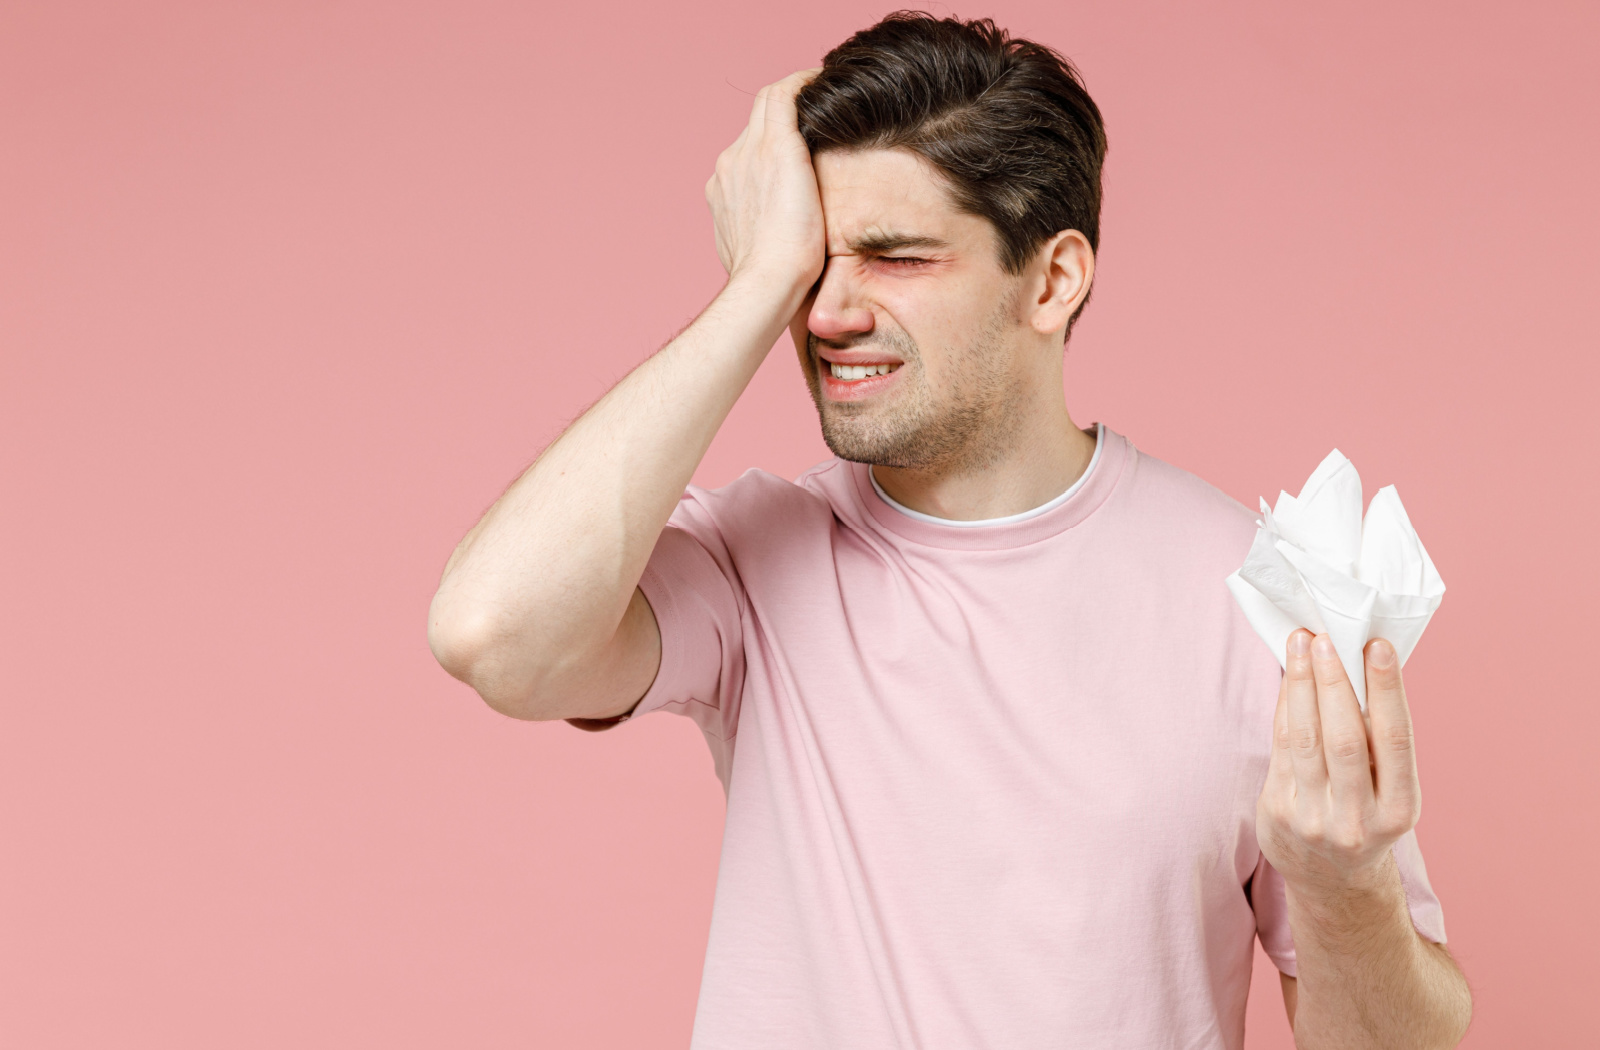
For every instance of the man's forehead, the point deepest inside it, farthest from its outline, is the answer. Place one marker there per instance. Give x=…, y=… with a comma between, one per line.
x=883, y=200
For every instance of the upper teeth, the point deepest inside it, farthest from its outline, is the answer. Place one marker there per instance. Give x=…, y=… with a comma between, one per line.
x=860, y=371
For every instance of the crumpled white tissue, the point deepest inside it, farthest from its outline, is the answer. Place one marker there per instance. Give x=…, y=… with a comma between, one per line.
x=1316, y=564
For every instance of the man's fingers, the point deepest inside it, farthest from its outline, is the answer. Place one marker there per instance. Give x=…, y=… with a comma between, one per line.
x=758, y=110
x=776, y=100
x=1305, y=724
x=790, y=86
x=1394, y=758
x=1280, y=767
x=1344, y=732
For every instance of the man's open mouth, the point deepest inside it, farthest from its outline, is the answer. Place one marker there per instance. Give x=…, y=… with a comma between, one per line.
x=857, y=382
x=851, y=373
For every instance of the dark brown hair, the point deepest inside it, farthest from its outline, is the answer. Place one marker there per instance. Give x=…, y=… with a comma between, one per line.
x=1006, y=121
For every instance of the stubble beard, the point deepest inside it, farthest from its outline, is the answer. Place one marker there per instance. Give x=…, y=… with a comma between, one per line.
x=966, y=429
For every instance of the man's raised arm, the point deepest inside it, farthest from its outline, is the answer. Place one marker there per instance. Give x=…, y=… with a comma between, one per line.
x=539, y=608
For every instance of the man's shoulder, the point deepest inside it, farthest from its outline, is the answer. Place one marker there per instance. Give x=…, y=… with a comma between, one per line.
x=768, y=505
x=1176, y=499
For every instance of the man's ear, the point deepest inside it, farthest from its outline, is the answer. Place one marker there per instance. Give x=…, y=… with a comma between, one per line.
x=1064, y=271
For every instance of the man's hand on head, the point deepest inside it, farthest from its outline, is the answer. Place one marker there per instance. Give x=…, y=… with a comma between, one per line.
x=763, y=195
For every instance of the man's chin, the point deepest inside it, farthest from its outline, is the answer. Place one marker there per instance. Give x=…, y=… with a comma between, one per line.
x=856, y=447
x=856, y=431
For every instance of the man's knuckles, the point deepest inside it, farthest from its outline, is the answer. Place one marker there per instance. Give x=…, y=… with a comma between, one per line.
x=1395, y=819
x=1396, y=737
x=1347, y=743
x=1348, y=838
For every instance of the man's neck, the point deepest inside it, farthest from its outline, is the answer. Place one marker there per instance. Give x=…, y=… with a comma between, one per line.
x=1042, y=460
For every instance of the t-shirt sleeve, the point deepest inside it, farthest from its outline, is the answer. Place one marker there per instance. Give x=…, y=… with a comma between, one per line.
x=698, y=600
x=1269, y=899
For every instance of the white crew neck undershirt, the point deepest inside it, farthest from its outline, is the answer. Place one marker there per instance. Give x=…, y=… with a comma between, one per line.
x=1099, y=443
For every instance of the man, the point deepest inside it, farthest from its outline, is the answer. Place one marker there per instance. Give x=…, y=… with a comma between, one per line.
x=1005, y=766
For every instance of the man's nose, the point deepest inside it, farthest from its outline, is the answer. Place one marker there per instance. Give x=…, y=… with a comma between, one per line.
x=837, y=312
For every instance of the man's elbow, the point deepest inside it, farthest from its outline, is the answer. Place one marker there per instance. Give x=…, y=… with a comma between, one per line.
x=473, y=649
x=1443, y=1021
x=1459, y=998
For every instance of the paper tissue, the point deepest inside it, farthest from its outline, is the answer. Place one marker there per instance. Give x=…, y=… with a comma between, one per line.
x=1316, y=564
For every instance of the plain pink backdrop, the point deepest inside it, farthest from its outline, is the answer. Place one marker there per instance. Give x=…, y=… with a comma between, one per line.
x=290, y=290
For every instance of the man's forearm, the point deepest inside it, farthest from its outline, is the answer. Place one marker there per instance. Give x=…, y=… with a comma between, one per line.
x=1366, y=977
x=544, y=578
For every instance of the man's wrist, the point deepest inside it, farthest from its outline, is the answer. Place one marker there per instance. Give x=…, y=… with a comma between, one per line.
x=780, y=290
x=1366, y=905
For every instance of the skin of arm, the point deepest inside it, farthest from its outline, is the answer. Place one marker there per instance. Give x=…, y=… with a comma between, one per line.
x=538, y=608
x=1341, y=788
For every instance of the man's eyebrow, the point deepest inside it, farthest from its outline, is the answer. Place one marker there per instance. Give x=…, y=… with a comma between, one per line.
x=881, y=242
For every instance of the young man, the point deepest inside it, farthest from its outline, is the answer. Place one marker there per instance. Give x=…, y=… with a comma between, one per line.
x=1005, y=766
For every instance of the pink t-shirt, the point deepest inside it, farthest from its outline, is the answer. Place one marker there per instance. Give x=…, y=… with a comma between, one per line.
x=987, y=787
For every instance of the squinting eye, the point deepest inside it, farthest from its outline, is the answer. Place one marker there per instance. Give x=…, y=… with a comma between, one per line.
x=901, y=259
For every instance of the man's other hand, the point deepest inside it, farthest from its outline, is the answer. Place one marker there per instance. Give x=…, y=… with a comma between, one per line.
x=1341, y=787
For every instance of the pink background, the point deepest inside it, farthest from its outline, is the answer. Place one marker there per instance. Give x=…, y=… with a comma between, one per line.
x=289, y=291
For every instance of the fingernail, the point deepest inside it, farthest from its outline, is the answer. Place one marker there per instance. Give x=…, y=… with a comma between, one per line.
x=1381, y=653
x=1323, y=647
x=1299, y=643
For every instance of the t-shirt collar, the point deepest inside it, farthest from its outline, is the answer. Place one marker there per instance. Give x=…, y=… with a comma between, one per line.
x=1062, y=512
